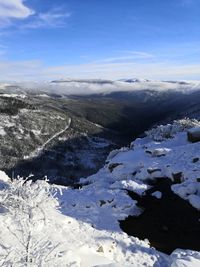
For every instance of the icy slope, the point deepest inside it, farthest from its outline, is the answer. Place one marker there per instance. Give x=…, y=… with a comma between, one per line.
x=80, y=227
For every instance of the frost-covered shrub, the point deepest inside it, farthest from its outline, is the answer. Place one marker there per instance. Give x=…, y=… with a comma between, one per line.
x=163, y=132
x=26, y=196
x=26, y=225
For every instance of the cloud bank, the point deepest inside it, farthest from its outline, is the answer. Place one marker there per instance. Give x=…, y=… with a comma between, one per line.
x=88, y=87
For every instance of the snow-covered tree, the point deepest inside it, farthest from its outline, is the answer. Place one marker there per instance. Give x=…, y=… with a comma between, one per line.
x=25, y=225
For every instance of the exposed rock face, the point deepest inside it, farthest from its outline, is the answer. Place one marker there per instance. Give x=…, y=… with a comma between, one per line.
x=164, y=221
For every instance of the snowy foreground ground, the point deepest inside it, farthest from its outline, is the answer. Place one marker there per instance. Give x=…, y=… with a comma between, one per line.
x=43, y=225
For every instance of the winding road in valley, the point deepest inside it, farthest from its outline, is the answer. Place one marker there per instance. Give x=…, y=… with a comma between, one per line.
x=38, y=150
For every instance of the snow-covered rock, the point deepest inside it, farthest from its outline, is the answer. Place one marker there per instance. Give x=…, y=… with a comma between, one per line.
x=185, y=258
x=163, y=132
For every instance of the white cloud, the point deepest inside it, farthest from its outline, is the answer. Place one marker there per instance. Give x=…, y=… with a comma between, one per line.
x=137, y=54
x=77, y=86
x=51, y=19
x=127, y=56
x=14, y=9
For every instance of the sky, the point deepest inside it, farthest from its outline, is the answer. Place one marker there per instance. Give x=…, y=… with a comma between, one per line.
x=111, y=39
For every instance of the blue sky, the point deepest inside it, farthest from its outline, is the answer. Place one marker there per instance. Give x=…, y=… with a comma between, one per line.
x=49, y=39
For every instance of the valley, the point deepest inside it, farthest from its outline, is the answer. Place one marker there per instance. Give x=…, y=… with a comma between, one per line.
x=65, y=137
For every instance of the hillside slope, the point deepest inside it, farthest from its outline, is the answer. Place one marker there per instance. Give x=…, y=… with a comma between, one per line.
x=82, y=225
x=34, y=125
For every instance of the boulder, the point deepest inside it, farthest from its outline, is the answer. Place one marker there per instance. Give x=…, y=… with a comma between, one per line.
x=194, y=134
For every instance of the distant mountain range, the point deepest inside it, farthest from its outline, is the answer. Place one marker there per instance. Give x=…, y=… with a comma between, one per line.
x=91, y=81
